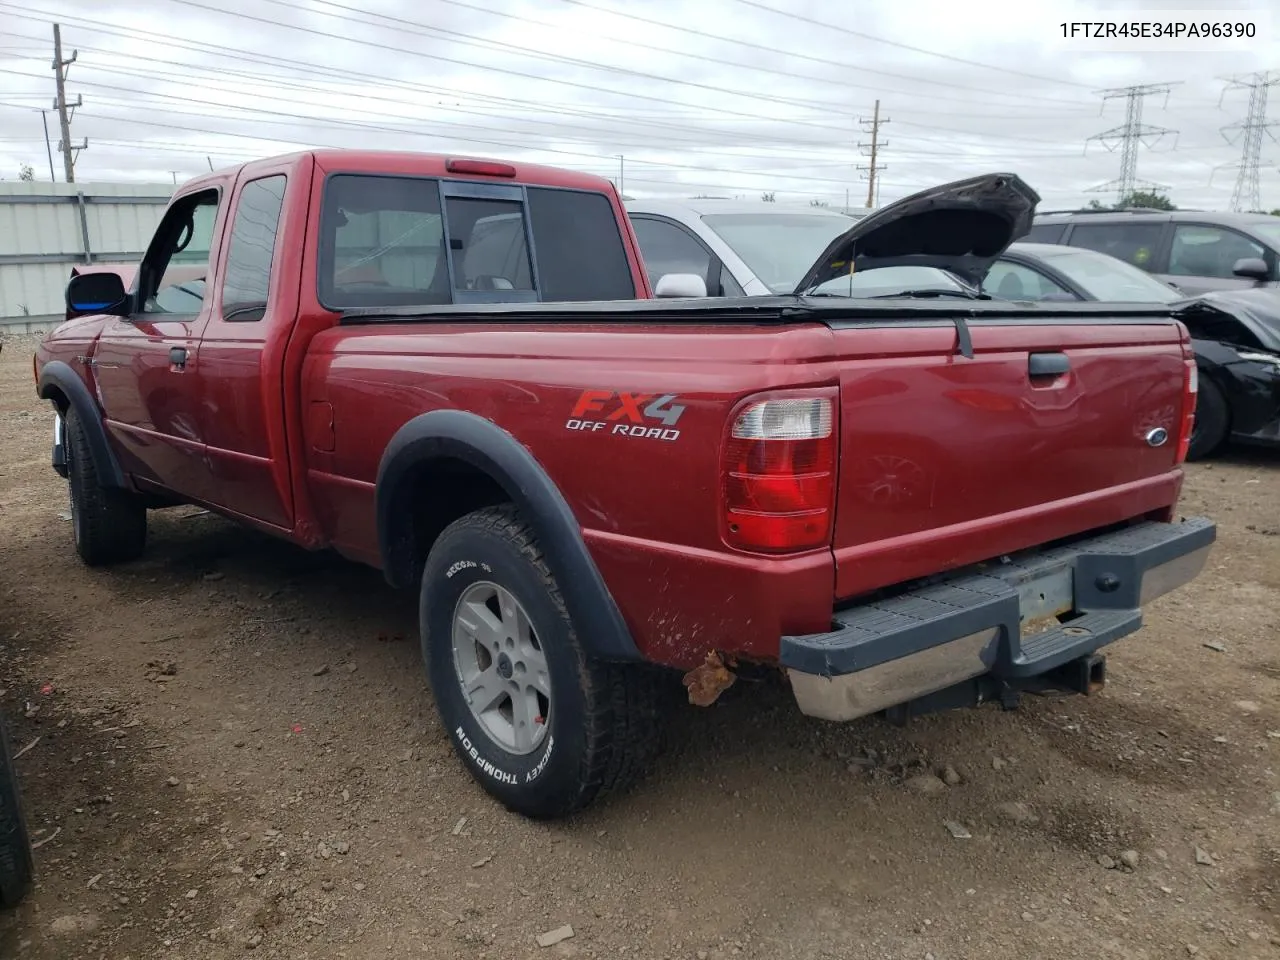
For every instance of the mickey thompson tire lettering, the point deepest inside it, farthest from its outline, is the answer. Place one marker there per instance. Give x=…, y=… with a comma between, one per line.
x=497, y=772
x=601, y=721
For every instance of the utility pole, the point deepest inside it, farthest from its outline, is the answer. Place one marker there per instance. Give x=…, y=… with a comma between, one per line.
x=1249, y=131
x=1129, y=135
x=622, y=175
x=871, y=151
x=64, y=116
x=48, y=147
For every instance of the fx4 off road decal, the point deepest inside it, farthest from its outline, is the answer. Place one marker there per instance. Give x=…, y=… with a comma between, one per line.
x=649, y=416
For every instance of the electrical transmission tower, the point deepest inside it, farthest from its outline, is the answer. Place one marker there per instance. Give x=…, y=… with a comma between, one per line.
x=1249, y=131
x=871, y=151
x=1129, y=136
x=65, y=110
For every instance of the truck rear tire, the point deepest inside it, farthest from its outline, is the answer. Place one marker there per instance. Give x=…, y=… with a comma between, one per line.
x=15, y=843
x=543, y=727
x=110, y=526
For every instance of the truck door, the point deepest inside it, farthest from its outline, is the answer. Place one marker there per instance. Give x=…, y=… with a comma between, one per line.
x=243, y=347
x=144, y=364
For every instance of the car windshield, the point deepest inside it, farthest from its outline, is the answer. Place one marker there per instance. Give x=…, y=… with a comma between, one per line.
x=885, y=281
x=1104, y=277
x=779, y=248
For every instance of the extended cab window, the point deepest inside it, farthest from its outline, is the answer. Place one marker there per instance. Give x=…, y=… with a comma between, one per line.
x=247, y=280
x=172, y=278
x=578, y=246
x=383, y=243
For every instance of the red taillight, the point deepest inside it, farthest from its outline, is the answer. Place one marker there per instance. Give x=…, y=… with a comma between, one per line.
x=484, y=168
x=1190, y=390
x=779, y=475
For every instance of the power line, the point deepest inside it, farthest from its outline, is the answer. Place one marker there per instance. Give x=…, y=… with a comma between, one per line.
x=1249, y=131
x=575, y=109
x=197, y=150
x=906, y=46
x=399, y=87
x=301, y=121
x=225, y=53
x=775, y=51
x=1129, y=135
x=292, y=120
x=593, y=88
x=699, y=134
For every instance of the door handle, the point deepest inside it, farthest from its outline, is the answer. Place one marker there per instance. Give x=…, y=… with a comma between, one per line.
x=1047, y=364
x=178, y=357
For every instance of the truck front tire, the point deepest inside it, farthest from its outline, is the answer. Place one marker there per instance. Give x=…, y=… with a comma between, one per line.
x=15, y=842
x=543, y=727
x=110, y=526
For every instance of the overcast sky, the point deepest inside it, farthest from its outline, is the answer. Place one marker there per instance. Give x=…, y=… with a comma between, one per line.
x=719, y=97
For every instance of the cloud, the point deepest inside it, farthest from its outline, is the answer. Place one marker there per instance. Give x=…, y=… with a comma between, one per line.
x=717, y=96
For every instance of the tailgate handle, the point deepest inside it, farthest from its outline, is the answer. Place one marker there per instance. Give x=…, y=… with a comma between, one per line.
x=1048, y=364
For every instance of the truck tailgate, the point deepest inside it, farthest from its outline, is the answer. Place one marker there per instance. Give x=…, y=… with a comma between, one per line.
x=1045, y=432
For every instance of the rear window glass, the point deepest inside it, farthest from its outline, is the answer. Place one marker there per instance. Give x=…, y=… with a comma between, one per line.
x=383, y=244
x=488, y=242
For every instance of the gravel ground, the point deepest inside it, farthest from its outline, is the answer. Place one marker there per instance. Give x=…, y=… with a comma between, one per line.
x=233, y=752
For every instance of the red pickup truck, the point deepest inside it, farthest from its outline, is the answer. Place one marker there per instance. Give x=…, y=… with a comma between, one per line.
x=455, y=371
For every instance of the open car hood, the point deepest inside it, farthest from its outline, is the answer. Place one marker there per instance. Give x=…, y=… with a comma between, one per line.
x=1257, y=310
x=962, y=227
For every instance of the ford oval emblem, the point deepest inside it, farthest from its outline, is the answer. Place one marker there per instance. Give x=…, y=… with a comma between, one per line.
x=1157, y=437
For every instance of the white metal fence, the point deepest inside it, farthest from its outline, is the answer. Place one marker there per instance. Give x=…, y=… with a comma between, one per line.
x=46, y=228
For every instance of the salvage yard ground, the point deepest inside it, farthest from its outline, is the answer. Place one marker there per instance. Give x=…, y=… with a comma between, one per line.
x=234, y=753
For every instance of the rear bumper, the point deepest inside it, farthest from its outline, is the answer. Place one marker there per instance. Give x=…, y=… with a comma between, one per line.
x=971, y=624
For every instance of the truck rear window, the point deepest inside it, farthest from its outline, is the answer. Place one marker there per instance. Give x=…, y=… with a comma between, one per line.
x=406, y=241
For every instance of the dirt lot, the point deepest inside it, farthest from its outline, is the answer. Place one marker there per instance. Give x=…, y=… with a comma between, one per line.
x=235, y=754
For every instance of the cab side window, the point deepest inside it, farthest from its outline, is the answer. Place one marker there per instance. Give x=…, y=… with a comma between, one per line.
x=1200, y=250
x=1134, y=243
x=173, y=274
x=667, y=248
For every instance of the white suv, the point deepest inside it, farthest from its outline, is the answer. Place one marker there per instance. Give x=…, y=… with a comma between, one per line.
x=738, y=247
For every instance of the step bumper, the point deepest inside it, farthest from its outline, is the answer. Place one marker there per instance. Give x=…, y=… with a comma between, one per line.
x=1088, y=594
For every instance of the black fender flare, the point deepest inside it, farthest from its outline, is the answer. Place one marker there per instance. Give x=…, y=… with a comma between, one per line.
x=57, y=375
x=482, y=444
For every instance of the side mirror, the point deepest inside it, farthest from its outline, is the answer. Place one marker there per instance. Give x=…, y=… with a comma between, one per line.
x=89, y=293
x=680, y=285
x=1252, y=268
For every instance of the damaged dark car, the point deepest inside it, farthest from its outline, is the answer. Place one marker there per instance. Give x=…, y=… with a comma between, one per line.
x=1236, y=336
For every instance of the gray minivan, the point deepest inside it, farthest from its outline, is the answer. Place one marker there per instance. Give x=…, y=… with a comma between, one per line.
x=1192, y=250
